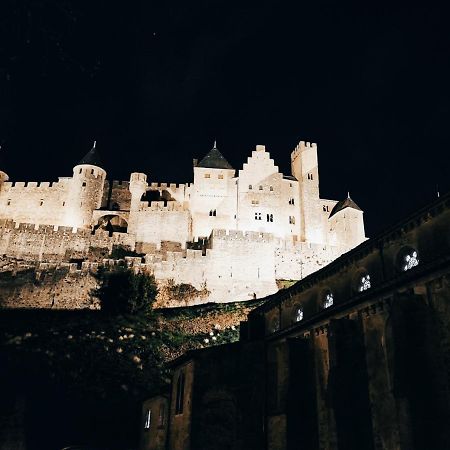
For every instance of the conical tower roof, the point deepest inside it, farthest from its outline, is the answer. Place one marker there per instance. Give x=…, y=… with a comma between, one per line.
x=214, y=160
x=347, y=203
x=92, y=157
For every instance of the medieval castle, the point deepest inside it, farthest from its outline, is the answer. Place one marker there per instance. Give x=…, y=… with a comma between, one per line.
x=231, y=235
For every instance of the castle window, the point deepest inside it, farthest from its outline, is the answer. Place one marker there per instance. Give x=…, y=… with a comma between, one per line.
x=84, y=184
x=9, y=202
x=255, y=202
x=64, y=204
x=325, y=208
x=148, y=418
x=329, y=300
x=269, y=217
x=41, y=202
x=292, y=220
x=364, y=283
x=220, y=177
x=179, y=399
x=298, y=314
x=291, y=201
x=212, y=213
x=81, y=170
x=290, y=184
x=310, y=176
x=207, y=175
x=250, y=187
x=271, y=188
x=257, y=216
x=260, y=188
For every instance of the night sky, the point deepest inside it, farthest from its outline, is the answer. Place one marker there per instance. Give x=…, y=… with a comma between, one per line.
x=156, y=82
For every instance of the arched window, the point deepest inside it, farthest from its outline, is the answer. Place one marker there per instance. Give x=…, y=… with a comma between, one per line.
x=298, y=314
x=271, y=188
x=213, y=213
x=364, y=283
x=328, y=300
x=179, y=399
x=269, y=217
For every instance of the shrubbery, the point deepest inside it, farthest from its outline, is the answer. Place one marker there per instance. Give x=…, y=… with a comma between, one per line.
x=122, y=291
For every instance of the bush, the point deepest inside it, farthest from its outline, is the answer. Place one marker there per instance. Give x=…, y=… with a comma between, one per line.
x=122, y=291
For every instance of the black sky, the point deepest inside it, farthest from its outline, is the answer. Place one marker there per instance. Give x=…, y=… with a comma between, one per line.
x=156, y=82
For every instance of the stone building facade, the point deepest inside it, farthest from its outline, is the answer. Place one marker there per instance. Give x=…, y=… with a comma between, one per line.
x=234, y=232
x=354, y=356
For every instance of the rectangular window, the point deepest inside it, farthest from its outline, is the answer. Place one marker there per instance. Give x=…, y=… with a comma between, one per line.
x=269, y=217
x=292, y=220
x=84, y=184
x=92, y=171
x=207, y=175
x=260, y=188
x=9, y=202
x=41, y=202
x=64, y=203
x=257, y=216
x=220, y=177
x=255, y=202
x=271, y=188
x=148, y=418
x=291, y=201
x=162, y=415
x=179, y=400
x=250, y=187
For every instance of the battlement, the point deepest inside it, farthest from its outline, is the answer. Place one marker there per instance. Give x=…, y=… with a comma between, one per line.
x=120, y=184
x=30, y=184
x=173, y=186
x=237, y=235
x=41, y=229
x=162, y=206
x=302, y=146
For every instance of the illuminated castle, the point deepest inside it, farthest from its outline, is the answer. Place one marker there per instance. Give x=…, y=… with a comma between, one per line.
x=233, y=233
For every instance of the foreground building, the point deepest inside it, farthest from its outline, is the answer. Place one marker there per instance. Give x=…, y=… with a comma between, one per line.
x=355, y=356
x=230, y=234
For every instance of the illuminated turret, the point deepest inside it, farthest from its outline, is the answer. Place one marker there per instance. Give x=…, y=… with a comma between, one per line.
x=86, y=190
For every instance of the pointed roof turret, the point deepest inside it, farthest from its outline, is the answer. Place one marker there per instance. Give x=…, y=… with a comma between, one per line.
x=214, y=160
x=347, y=203
x=92, y=157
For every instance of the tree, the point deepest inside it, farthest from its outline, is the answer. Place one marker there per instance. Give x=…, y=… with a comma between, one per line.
x=122, y=291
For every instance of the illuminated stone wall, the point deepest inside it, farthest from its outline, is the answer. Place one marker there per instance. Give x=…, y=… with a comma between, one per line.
x=260, y=225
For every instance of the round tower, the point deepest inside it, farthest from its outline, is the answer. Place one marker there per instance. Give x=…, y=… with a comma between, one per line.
x=138, y=187
x=86, y=190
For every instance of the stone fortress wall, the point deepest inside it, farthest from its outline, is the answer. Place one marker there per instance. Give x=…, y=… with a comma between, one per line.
x=229, y=237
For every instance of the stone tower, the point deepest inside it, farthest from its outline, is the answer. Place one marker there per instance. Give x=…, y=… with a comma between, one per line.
x=304, y=166
x=138, y=187
x=86, y=190
x=346, y=224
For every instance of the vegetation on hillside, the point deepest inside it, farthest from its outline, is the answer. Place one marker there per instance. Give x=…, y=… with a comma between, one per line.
x=88, y=372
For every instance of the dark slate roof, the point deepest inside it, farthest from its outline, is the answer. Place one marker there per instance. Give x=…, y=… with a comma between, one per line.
x=214, y=160
x=289, y=177
x=347, y=203
x=92, y=158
